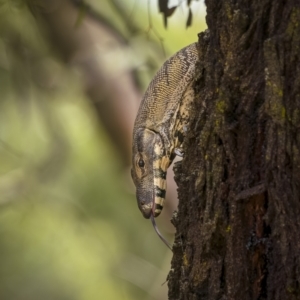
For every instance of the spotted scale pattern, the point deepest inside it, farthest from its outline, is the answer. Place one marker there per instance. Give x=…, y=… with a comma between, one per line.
x=165, y=112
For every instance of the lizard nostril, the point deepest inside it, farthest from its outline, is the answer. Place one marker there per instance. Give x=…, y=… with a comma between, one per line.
x=143, y=202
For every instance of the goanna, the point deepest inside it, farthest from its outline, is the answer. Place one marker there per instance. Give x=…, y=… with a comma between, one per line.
x=160, y=127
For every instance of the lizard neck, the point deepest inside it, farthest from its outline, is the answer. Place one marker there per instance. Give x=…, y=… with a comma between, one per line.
x=180, y=121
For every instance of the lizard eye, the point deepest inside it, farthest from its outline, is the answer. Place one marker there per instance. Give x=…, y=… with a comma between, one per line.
x=141, y=163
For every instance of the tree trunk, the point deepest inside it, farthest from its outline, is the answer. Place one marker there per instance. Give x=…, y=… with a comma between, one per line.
x=238, y=221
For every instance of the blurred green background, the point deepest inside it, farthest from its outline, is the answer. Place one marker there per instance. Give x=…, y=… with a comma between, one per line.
x=69, y=224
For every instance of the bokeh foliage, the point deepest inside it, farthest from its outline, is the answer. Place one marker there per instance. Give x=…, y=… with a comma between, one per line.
x=69, y=225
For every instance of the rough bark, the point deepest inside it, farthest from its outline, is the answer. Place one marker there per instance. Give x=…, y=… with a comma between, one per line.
x=238, y=224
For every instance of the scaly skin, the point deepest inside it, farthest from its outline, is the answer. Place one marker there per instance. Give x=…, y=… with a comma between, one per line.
x=160, y=126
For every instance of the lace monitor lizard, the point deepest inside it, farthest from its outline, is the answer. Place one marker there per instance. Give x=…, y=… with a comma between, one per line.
x=159, y=129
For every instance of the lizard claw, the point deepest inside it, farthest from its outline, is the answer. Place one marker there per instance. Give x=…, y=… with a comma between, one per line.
x=179, y=152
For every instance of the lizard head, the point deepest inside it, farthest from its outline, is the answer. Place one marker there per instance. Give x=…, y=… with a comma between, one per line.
x=149, y=170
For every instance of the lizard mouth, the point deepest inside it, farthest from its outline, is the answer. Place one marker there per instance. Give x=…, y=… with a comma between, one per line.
x=145, y=203
x=146, y=211
x=158, y=232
